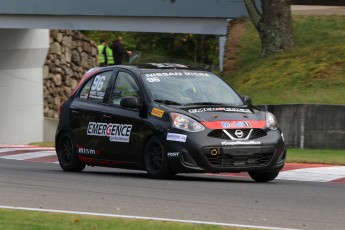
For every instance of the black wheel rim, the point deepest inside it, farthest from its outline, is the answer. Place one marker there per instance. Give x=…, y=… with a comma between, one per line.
x=66, y=150
x=155, y=156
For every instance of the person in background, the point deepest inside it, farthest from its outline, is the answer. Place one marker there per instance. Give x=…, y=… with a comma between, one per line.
x=109, y=55
x=119, y=51
x=102, y=53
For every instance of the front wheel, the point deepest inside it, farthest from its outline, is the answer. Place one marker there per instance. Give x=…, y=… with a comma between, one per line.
x=67, y=156
x=155, y=160
x=263, y=176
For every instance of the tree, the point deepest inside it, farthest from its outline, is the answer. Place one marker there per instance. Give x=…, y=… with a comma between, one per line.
x=273, y=23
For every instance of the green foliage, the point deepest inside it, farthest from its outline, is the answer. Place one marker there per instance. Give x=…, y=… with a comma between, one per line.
x=196, y=49
x=312, y=72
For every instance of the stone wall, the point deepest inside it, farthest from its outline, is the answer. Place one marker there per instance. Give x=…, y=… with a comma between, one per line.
x=70, y=55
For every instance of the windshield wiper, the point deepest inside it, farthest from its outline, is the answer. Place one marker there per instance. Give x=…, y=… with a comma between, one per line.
x=167, y=102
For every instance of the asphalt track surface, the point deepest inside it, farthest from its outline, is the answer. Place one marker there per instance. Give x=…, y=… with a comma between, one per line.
x=201, y=197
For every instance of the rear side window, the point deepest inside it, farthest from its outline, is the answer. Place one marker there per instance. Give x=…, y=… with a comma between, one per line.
x=94, y=89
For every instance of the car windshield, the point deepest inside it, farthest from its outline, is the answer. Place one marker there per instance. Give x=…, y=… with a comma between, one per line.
x=189, y=88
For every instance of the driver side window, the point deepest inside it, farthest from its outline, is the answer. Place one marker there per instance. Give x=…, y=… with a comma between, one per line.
x=125, y=85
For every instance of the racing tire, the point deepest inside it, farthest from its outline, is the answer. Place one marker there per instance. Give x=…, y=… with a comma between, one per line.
x=155, y=160
x=67, y=156
x=263, y=176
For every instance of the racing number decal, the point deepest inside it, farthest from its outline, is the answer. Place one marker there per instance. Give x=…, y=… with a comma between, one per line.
x=97, y=91
x=153, y=79
x=98, y=83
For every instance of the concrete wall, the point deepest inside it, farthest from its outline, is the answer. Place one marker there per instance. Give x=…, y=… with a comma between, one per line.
x=311, y=125
x=22, y=54
x=50, y=125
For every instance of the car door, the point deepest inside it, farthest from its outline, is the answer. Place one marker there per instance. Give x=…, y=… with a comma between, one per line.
x=86, y=114
x=124, y=124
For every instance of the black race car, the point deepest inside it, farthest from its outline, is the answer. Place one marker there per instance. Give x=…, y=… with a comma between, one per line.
x=166, y=119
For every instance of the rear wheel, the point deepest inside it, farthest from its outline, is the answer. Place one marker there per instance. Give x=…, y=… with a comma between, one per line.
x=67, y=156
x=155, y=160
x=263, y=176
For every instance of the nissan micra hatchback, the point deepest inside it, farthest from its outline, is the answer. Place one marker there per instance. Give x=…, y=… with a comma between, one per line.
x=166, y=119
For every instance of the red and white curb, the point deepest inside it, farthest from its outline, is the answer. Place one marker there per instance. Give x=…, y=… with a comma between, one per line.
x=28, y=153
x=291, y=171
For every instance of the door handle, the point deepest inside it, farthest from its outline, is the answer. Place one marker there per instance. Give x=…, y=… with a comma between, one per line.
x=106, y=117
x=75, y=113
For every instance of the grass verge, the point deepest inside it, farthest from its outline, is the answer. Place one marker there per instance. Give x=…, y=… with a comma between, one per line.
x=316, y=156
x=43, y=144
x=34, y=220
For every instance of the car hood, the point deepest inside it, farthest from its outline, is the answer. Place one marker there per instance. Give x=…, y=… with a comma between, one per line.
x=228, y=117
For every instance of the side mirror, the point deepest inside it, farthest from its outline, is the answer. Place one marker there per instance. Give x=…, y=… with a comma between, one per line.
x=247, y=100
x=130, y=102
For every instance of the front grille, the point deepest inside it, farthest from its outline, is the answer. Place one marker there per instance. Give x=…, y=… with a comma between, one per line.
x=256, y=133
x=257, y=159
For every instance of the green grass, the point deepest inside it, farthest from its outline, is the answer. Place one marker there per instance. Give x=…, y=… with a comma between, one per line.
x=316, y=156
x=43, y=144
x=34, y=220
x=311, y=72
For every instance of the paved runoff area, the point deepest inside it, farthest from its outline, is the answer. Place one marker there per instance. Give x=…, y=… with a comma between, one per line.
x=291, y=171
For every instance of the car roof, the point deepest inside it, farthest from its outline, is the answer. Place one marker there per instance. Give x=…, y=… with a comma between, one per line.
x=166, y=66
x=144, y=67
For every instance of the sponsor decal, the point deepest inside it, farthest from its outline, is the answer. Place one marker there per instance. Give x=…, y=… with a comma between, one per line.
x=227, y=109
x=84, y=96
x=152, y=75
x=157, y=112
x=241, y=143
x=197, y=74
x=173, y=154
x=115, y=132
x=234, y=124
x=97, y=94
x=86, y=151
x=168, y=74
x=176, y=137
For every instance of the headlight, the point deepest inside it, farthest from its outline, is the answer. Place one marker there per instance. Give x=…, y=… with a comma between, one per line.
x=271, y=121
x=185, y=123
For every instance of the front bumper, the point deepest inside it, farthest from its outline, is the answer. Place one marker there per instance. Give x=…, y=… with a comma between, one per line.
x=202, y=153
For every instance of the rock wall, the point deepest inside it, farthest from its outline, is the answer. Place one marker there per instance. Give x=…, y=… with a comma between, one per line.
x=70, y=55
